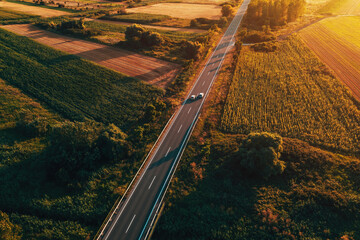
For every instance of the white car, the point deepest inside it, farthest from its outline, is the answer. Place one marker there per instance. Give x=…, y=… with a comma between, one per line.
x=192, y=97
x=201, y=95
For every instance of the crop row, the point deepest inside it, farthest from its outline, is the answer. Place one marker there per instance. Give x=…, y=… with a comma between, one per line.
x=292, y=93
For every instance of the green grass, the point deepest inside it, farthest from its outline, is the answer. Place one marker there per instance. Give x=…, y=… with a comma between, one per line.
x=108, y=27
x=292, y=93
x=73, y=87
x=44, y=6
x=151, y=19
x=8, y=16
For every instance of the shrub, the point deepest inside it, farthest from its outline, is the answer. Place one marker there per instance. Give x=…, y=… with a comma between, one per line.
x=260, y=153
x=223, y=21
x=73, y=24
x=138, y=36
x=193, y=23
x=77, y=148
x=227, y=10
x=8, y=230
x=192, y=50
x=265, y=47
x=31, y=125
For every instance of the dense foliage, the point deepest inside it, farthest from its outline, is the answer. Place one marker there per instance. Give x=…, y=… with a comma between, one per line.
x=292, y=93
x=8, y=231
x=76, y=149
x=317, y=196
x=274, y=13
x=137, y=36
x=73, y=87
x=260, y=153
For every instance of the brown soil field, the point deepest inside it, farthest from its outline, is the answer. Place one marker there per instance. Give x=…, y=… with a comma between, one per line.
x=339, y=55
x=151, y=70
x=181, y=10
x=40, y=11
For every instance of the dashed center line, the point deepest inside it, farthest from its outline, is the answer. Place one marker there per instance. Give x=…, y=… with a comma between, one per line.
x=130, y=223
x=180, y=128
x=203, y=83
x=208, y=72
x=167, y=152
x=151, y=182
x=189, y=110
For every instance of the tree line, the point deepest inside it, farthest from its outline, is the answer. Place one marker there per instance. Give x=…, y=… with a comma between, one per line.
x=274, y=12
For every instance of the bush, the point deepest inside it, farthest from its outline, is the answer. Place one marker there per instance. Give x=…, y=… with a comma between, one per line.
x=265, y=47
x=138, y=36
x=31, y=125
x=8, y=230
x=227, y=10
x=223, y=21
x=77, y=148
x=73, y=24
x=260, y=153
x=192, y=50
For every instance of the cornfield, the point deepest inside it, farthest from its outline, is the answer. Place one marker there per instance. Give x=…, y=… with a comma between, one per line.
x=292, y=93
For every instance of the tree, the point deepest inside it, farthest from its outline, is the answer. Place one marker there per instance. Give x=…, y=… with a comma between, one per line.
x=260, y=153
x=192, y=50
x=133, y=33
x=227, y=10
x=8, y=230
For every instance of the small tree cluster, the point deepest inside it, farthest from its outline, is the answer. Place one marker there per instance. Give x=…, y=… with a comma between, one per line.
x=77, y=148
x=260, y=153
x=192, y=50
x=137, y=36
x=227, y=10
x=274, y=13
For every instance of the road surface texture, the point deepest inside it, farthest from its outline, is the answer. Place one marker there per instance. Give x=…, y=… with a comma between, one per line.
x=151, y=70
x=133, y=218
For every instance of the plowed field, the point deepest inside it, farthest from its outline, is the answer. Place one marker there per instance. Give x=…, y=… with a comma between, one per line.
x=181, y=10
x=341, y=7
x=151, y=70
x=338, y=52
x=44, y=12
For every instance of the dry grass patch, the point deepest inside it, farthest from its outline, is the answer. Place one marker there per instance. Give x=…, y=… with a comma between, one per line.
x=181, y=10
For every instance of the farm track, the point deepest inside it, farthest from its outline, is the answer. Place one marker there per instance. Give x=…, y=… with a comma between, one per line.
x=151, y=70
x=40, y=11
x=341, y=56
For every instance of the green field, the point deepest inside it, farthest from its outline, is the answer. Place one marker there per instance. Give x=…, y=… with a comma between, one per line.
x=292, y=93
x=9, y=16
x=73, y=87
x=339, y=7
x=151, y=19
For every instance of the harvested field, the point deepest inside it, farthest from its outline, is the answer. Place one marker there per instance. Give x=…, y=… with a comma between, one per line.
x=151, y=70
x=341, y=7
x=40, y=11
x=181, y=10
x=337, y=50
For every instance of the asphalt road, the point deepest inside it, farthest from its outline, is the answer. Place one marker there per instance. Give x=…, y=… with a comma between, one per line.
x=135, y=215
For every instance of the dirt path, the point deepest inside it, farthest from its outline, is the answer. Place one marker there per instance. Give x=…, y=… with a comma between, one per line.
x=341, y=56
x=191, y=30
x=151, y=70
x=40, y=11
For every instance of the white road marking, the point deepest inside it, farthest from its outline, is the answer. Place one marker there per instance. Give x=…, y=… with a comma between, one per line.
x=152, y=182
x=189, y=110
x=167, y=152
x=203, y=83
x=180, y=128
x=208, y=72
x=130, y=223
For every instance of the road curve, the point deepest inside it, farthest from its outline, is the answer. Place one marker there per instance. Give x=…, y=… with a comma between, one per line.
x=134, y=217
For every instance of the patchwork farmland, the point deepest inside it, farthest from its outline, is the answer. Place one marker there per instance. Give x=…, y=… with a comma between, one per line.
x=151, y=70
x=292, y=93
x=337, y=44
x=44, y=12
